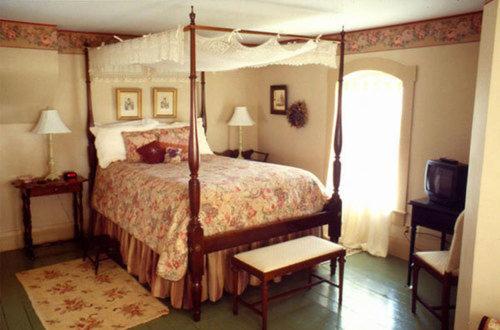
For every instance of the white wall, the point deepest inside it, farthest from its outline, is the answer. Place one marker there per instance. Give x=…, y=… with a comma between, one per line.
x=442, y=113
x=479, y=282
x=25, y=92
x=33, y=79
x=301, y=147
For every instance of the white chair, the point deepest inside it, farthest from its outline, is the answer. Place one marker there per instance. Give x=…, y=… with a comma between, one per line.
x=444, y=266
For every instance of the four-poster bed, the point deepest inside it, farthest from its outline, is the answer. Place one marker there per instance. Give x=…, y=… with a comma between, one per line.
x=199, y=243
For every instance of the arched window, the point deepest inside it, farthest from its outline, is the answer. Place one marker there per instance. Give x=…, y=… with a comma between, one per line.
x=375, y=151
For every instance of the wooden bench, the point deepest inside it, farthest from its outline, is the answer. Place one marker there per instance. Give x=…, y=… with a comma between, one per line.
x=272, y=261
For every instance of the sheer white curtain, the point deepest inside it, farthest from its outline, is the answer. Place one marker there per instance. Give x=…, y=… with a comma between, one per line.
x=372, y=108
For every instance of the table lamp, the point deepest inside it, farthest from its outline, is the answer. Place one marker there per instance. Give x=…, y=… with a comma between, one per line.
x=241, y=118
x=50, y=123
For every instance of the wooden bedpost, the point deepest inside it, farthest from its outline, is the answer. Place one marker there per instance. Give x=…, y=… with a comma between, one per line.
x=91, y=151
x=335, y=203
x=203, y=102
x=195, y=231
x=90, y=122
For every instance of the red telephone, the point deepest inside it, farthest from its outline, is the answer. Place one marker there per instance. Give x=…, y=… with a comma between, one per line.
x=70, y=175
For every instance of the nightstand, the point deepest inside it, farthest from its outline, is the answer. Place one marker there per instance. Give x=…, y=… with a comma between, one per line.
x=247, y=154
x=45, y=188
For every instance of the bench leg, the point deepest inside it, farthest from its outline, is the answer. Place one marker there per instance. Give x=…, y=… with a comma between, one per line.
x=341, y=278
x=235, y=290
x=333, y=266
x=264, y=306
x=310, y=277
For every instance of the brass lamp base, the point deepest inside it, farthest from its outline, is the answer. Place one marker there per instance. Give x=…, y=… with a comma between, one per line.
x=52, y=171
x=240, y=140
x=51, y=177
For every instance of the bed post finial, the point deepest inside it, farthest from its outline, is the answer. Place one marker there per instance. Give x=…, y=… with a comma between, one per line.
x=192, y=15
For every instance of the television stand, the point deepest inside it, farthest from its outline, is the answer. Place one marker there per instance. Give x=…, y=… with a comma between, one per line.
x=434, y=216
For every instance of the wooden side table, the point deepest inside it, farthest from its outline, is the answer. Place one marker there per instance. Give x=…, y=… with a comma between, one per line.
x=45, y=188
x=247, y=154
x=434, y=216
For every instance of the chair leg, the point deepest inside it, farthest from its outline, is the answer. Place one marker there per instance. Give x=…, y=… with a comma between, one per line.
x=264, y=306
x=341, y=278
x=445, y=303
x=235, y=290
x=414, y=290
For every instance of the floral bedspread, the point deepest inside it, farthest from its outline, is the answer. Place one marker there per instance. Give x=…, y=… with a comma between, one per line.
x=151, y=202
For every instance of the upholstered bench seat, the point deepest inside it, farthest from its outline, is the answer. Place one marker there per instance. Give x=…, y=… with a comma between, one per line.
x=276, y=260
x=273, y=257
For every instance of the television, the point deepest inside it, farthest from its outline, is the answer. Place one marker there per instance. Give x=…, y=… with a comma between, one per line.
x=446, y=181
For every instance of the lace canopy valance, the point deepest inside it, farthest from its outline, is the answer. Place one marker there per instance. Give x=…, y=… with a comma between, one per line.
x=167, y=53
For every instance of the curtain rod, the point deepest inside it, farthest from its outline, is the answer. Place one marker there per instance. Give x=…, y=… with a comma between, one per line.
x=222, y=29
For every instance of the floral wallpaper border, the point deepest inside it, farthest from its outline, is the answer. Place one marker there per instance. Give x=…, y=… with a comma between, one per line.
x=28, y=35
x=71, y=42
x=439, y=31
x=44, y=36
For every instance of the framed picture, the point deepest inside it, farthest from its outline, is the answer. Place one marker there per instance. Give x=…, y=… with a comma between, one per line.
x=128, y=103
x=279, y=99
x=164, y=102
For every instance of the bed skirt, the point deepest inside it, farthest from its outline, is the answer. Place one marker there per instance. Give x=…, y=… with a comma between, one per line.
x=141, y=262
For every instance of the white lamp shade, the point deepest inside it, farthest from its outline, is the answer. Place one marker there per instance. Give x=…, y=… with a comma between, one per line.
x=241, y=117
x=50, y=123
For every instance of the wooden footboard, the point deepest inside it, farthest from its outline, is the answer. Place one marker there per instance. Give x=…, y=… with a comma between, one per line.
x=236, y=238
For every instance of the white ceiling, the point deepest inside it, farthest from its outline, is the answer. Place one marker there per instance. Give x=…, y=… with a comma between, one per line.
x=286, y=16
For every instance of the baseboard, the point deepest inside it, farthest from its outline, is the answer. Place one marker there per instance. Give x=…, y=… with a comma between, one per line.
x=399, y=243
x=399, y=247
x=13, y=240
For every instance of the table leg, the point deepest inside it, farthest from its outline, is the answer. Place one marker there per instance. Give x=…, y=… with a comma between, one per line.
x=76, y=229
x=80, y=213
x=443, y=241
x=412, y=251
x=28, y=239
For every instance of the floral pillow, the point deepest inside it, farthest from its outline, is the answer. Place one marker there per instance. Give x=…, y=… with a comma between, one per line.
x=175, y=138
x=152, y=153
x=135, y=140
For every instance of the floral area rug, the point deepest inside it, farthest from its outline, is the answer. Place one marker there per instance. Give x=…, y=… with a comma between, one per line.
x=69, y=296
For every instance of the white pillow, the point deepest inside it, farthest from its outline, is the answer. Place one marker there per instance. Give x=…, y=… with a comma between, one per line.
x=203, y=145
x=109, y=142
x=95, y=129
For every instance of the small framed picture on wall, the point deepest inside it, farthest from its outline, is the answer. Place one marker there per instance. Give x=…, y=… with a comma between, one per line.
x=279, y=99
x=164, y=102
x=128, y=103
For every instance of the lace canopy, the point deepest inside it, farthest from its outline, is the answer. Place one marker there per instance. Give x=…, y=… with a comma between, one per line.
x=167, y=53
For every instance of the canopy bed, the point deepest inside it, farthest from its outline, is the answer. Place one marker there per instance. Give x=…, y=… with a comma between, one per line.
x=157, y=54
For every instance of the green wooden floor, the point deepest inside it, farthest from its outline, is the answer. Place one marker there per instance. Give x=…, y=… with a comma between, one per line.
x=375, y=297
